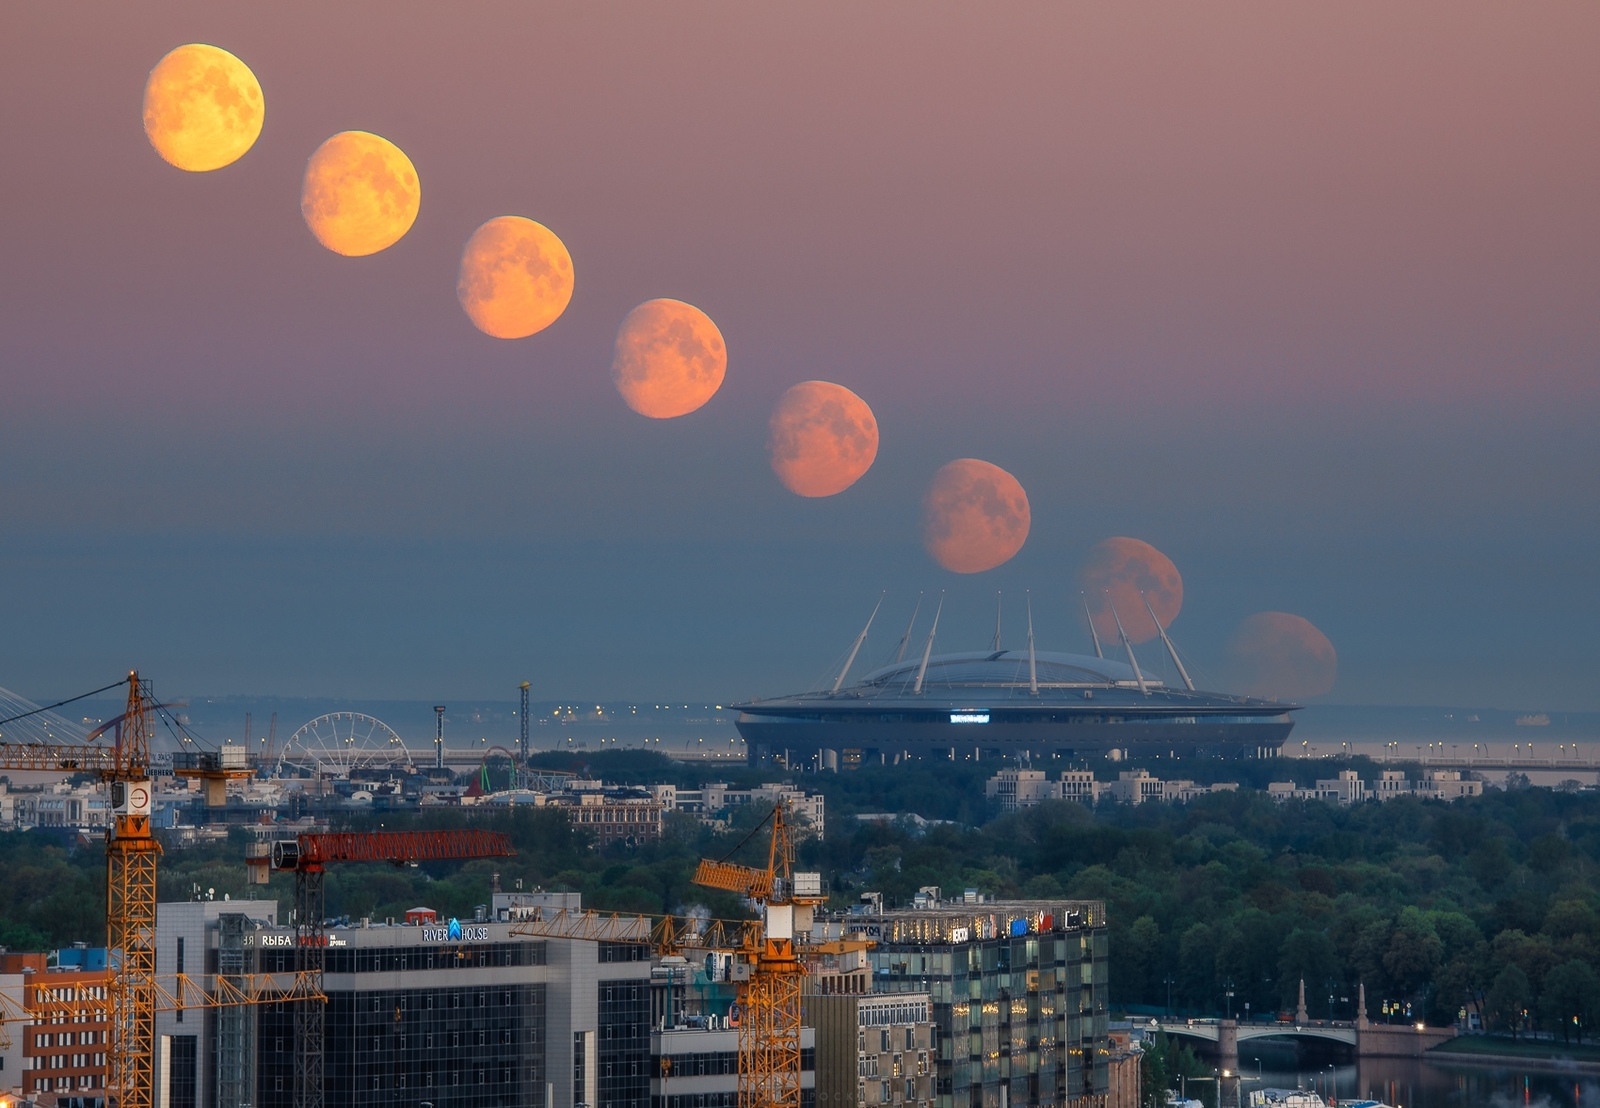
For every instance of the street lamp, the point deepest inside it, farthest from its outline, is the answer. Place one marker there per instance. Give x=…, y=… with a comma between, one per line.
x=1168, y=980
x=1228, y=992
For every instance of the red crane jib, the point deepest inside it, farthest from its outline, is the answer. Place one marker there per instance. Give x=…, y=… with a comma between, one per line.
x=400, y=847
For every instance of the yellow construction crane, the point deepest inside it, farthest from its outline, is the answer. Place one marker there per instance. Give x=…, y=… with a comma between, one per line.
x=773, y=971
x=769, y=998
x=131, y=853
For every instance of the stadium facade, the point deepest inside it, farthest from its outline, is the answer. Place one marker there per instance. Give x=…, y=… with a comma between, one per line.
x=1009, y=703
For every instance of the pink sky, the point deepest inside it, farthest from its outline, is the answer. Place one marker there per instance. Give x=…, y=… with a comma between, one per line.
x=1303, y=294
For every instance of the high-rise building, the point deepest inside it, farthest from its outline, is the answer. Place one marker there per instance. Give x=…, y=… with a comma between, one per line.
x=1017, y=989
x=459, y=1013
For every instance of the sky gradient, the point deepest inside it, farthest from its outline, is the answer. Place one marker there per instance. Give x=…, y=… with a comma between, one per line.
x=1305, y=296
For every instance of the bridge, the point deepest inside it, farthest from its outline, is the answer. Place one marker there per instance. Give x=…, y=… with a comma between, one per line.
x=1211, y=1030
x=1366, y=1039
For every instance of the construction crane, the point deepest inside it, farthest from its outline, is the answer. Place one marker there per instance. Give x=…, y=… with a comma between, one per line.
x=769, y=998
x=131, y=852
x=134, y=994
x=308, y=857
x=769, y=993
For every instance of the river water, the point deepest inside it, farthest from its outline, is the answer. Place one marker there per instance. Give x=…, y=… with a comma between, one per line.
x=1412, y=1083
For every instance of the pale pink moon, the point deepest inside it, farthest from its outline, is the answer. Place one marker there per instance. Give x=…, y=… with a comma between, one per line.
x=669, y=359
x=822, y=438
x=1282, y=655
x=515, y=278
x=974, y=517
x=1124, y=573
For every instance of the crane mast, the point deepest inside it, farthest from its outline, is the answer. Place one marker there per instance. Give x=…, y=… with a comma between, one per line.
x=131, y=853
x=308, y=856
x=769, y=1000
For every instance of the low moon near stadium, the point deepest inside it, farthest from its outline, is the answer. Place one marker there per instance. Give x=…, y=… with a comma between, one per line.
x=669, y=359
x=361, y=194
x=1124, y=573
x=822, y=437
x=1283, y=655
x=515, y=278
x=203, y=108
x=975, y=516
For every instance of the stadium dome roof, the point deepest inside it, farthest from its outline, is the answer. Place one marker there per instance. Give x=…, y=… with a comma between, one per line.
x=1002, y=668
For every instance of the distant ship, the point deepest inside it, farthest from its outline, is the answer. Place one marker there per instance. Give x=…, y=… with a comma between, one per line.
x=1006, y=703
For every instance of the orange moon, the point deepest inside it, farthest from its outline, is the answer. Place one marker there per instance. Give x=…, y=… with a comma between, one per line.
x=974, y=517
x=822, y=438
x=1116, y=572
x=202, y=108
x=515, y=279
x=361, y=194
x=1283, y=655
x=669, y=359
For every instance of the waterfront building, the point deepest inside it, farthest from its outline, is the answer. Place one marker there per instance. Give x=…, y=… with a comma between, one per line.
x=1017, y=991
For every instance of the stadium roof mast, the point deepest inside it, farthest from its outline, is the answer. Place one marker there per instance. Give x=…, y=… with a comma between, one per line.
x=1171, y=650
x=1092, y=633
x=900, y=655
x=927, y=649
x=1127, y=645
x=1033, y=662
x=998, y=595
x=850, y=661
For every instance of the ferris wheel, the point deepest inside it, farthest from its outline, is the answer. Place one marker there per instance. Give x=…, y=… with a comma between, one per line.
x=340, y=744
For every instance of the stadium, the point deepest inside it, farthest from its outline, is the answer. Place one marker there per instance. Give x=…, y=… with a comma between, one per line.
x=1007, y=703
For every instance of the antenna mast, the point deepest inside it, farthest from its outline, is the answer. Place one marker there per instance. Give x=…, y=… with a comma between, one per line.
x=928, y=648
x=524, y=721
x=1171, y=650
x=861, y=638
x=1128, y=646
x=998, y=595
x=1098, y=653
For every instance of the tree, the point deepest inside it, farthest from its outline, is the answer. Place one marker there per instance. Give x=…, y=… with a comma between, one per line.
x=1571, y=998
x=1508, y=1000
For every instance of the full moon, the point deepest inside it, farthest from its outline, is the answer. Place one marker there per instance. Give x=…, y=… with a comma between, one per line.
x=1117, y=572
x=822, y=438
x=202, y=108
x=361, y=194
x=669, y=359
x=974, y=517
x=515, y=279
x=1283, y=655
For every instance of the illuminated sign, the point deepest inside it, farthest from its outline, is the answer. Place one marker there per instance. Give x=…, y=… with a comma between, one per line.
x=969, y=717
x=454, y=933
x=959, y=934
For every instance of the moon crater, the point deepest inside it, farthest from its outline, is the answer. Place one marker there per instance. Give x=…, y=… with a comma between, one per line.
x=203, y=108
x=361, y=194
x=975, y=516
x=515, y=278
x=669, y=359
x=1126, y=572
x=822, y=438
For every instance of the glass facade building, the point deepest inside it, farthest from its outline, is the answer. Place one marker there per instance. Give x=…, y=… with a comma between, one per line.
x=1018, y=992
x=459, y=1015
